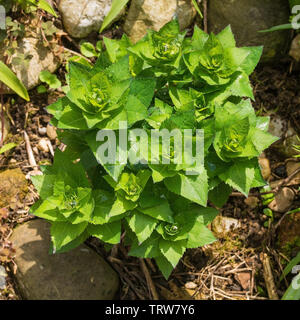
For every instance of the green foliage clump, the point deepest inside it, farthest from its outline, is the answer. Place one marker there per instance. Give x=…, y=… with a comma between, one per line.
x=165, y=81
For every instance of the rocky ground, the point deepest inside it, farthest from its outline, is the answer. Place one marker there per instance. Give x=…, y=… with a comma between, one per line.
x=255, y=235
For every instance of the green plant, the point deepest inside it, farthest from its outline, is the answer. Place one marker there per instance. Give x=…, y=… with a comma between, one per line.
x=296, y=147
x=293, y=291
x=89, y=50
x=165, y=81
x=50, y=79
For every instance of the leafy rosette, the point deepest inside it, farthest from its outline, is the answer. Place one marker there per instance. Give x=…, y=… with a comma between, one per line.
x=166, y=83
x=103, y=96
x=161, y=49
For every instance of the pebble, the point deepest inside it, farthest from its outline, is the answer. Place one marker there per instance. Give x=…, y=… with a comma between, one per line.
x=265, y=168
x=3, y=276
x=292, y=167
x=224, y=225
x=51, y=132
x=42, y=131
x=283, y=200
x=43, y=145
x=252, y=202
x=35, y=150
x=191, y=285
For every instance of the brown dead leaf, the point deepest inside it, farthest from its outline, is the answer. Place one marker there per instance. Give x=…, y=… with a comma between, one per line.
x=244, y=279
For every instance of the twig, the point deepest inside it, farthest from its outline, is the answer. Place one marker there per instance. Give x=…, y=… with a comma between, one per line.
x=50, y=147
x=77, y=54
x=150, y=264
x=128, y=281
x=149, y=280
x=268, y=276
x=205, y=15
x=2, y=121
x=287, y=180
x=31, y=158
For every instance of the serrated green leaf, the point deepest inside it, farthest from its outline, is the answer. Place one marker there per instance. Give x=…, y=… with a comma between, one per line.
x=194, y=188
x=172, y=250
x=200, y=236
x=109, y=232
x=240, y=176
x=164, y=266
x=220, y=194
x=62, y=233
x=147, y=249
x=226, y=38
x=142, y=225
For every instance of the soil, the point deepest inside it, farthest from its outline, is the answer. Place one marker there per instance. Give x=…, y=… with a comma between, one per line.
x=229, y=269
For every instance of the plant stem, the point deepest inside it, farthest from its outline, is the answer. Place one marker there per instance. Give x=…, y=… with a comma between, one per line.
x=2, y=120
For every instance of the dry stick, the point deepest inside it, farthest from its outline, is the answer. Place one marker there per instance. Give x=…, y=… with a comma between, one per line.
x=31, y=158
x=77, y=54
x=268, y=276
x=149, y=280
x=2, y=121
x=287, y=180
x=127, y=280
x=205, y=15
x=50, y=147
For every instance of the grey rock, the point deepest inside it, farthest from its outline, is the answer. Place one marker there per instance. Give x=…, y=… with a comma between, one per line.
x=38, y=58
x=80, y=274
x=43, y=145
x=295, y=48
x=247, y=17
x=283, y=129
x=153, y=14
x=222, y=226
x=283, y=200
x=3, y=276
x=81, y=17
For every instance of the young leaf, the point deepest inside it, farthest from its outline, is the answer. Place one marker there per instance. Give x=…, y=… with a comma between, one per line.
x=50, y=79
x=200, y=236
x=147, y=249
x=240, y=176
x=142, y=225
x=109, y=232
x=62, y=233
x=7, y=147
x=88, y=50
x=164, y=266
x=172, y=250
x=194, y=188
